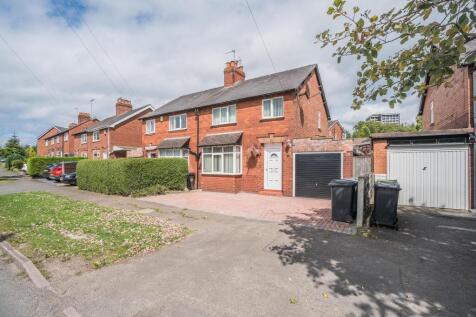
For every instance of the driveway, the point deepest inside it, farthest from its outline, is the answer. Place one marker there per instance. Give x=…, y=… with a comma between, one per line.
x=235, y=266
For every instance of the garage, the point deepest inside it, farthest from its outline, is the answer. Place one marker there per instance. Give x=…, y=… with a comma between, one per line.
x=313, y=171
x=431, y=175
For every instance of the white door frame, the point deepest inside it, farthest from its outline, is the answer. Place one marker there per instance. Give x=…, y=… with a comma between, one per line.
x=276, y=146
x=299, y=153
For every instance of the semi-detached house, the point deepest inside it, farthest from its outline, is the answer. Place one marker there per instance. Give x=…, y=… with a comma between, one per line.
x=239, y=137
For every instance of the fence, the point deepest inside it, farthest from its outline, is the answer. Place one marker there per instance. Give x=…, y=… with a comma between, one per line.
x=362, y=165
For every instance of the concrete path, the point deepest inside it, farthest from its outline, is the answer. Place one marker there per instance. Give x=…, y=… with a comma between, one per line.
x=231, y=266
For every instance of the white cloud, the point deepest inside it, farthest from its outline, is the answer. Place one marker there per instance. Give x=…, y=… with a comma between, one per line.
x=163, y=49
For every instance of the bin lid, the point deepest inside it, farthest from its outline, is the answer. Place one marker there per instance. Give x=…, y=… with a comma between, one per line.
x=388, y=183
x=346, y=182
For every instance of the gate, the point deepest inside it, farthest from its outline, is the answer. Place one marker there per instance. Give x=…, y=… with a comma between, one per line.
x=362, y=165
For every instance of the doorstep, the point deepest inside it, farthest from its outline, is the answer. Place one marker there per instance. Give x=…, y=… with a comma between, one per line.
x=271, y=192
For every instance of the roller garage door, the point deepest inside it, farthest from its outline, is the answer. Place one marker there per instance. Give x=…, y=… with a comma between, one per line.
x=430, y=175
x=314, y=171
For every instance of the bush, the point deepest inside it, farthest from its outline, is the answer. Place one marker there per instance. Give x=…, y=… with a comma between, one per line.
x=36, y=165
x=127, y=176
x=18, y=164
x=149, y=191
x=12, y=157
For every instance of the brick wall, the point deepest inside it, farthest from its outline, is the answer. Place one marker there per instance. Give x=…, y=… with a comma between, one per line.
x=451, y=103
x=300, y=119
x=379, y=156
x=42, y=149
x=336, y=132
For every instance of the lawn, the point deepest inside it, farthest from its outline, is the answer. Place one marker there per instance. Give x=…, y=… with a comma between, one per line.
x=43, y=225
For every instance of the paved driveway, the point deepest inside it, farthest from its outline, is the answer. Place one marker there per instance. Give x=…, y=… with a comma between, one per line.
x=253, y=206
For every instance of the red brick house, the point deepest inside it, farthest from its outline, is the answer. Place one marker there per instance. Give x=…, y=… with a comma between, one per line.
x=239, y=137
x=436, y=166
x=116, y=136
x=336, y=130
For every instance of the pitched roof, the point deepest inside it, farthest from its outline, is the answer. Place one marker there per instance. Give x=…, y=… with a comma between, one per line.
x=221, y=139
x=111, y=122
x=58, y=128
x=264, y=85
x=174, y=143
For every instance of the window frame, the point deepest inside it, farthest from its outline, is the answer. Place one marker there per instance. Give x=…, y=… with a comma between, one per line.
x=319, y=120
x=65, y=137
x=84, y=138
x=46, y=142
x=152, y=131
x=221, y=154
x=432, y=113
x=272, y=108
x=172, y=119
x=98, y=133
x=227, y=107
x=98, y=157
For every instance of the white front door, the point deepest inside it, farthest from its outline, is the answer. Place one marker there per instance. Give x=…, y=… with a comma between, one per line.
x=272, y=166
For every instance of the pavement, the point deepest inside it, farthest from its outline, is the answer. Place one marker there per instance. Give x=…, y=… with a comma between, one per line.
x=236, y=266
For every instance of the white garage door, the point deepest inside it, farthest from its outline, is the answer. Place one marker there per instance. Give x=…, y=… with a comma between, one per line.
x=430, y=175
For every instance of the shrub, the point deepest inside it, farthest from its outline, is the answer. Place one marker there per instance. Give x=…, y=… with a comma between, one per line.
x=149, y=191
x=127, y=176
x=12, y=157
x=18, y=164
x=36, y=165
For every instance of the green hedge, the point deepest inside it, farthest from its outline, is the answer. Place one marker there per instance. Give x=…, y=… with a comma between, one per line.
x=36, y=165
x=12, y=157
x=127, y=176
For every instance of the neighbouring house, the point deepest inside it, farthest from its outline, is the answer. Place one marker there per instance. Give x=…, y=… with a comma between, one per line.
x=117, y=136
x=61, y=143
x=336, y=130
x=435, y=167
x=385, y=117
x=240, y=136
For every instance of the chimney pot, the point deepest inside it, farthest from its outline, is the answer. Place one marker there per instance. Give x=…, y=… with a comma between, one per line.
x=233, y=73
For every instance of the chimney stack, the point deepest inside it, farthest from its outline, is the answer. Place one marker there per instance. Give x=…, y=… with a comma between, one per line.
x=233, y=73
x=83, y=117
x=71, y=125
x=123, y=106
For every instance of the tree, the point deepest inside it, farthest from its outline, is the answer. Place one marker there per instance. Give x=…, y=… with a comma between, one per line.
x=364, y=129
x=431, y=35
x=30, y=151
x=13, y=147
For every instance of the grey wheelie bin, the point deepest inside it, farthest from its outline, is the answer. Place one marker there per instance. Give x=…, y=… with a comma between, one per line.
x=343, y=199
x=386, y=203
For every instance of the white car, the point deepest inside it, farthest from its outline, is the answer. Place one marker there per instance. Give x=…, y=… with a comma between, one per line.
x=24, y=168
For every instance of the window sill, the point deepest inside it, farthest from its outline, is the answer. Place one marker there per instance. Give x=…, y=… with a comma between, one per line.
x=221, y=174
x=151, y=133
x=271, y=119
x=176, y=130
x=96, y=141
x=223, y=125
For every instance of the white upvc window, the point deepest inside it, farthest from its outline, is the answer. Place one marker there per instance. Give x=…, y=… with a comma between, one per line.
x=84, y=154
x=224, y=115
x=46, y=142
x=104, y=155
x=57, y=139
x=84, y=138
x=96, y=155
x=319, y=120
x=96, y=136
x=222, y=160
x=273, y=108
x=65, y=137
x=174, y=152
x=150, y=126
x=178, y=122
x=432, y=113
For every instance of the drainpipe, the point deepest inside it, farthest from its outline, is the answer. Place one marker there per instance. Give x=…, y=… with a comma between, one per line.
x=108, y=142
x=197, y=133
x=473, y=108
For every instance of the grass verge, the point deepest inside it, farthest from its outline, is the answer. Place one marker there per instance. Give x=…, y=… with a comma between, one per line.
x=43, y=225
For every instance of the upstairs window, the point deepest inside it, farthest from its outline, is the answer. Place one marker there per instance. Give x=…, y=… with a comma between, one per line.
x=319, y=120
x=46, y=142
x=178, y=122
x=273, y=108
x=84, y=138
x=65, y=137
x=224, y=115
x=95, y=136
x=150, y=126
x=57, y=139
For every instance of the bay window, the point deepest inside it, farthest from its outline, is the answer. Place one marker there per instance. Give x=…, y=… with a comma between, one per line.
x=222, y=160
x=224, y=115
x=178, y=122
x=273, y=108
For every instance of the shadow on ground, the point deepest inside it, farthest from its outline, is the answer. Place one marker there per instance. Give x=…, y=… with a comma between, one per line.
x=427, y=268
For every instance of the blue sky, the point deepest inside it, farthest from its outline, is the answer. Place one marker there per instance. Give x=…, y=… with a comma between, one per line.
x=57, y=55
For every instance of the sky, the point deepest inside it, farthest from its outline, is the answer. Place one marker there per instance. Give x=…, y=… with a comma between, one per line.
x=57, y=55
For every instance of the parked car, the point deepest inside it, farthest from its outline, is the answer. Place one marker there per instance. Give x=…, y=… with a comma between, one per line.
x=24, y=168
x=56, y=172
x=69, y=178
x=47, y=171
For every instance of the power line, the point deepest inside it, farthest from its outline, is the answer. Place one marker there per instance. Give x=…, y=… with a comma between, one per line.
x=35, y=76
x=87, y=49
x=260, y=35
